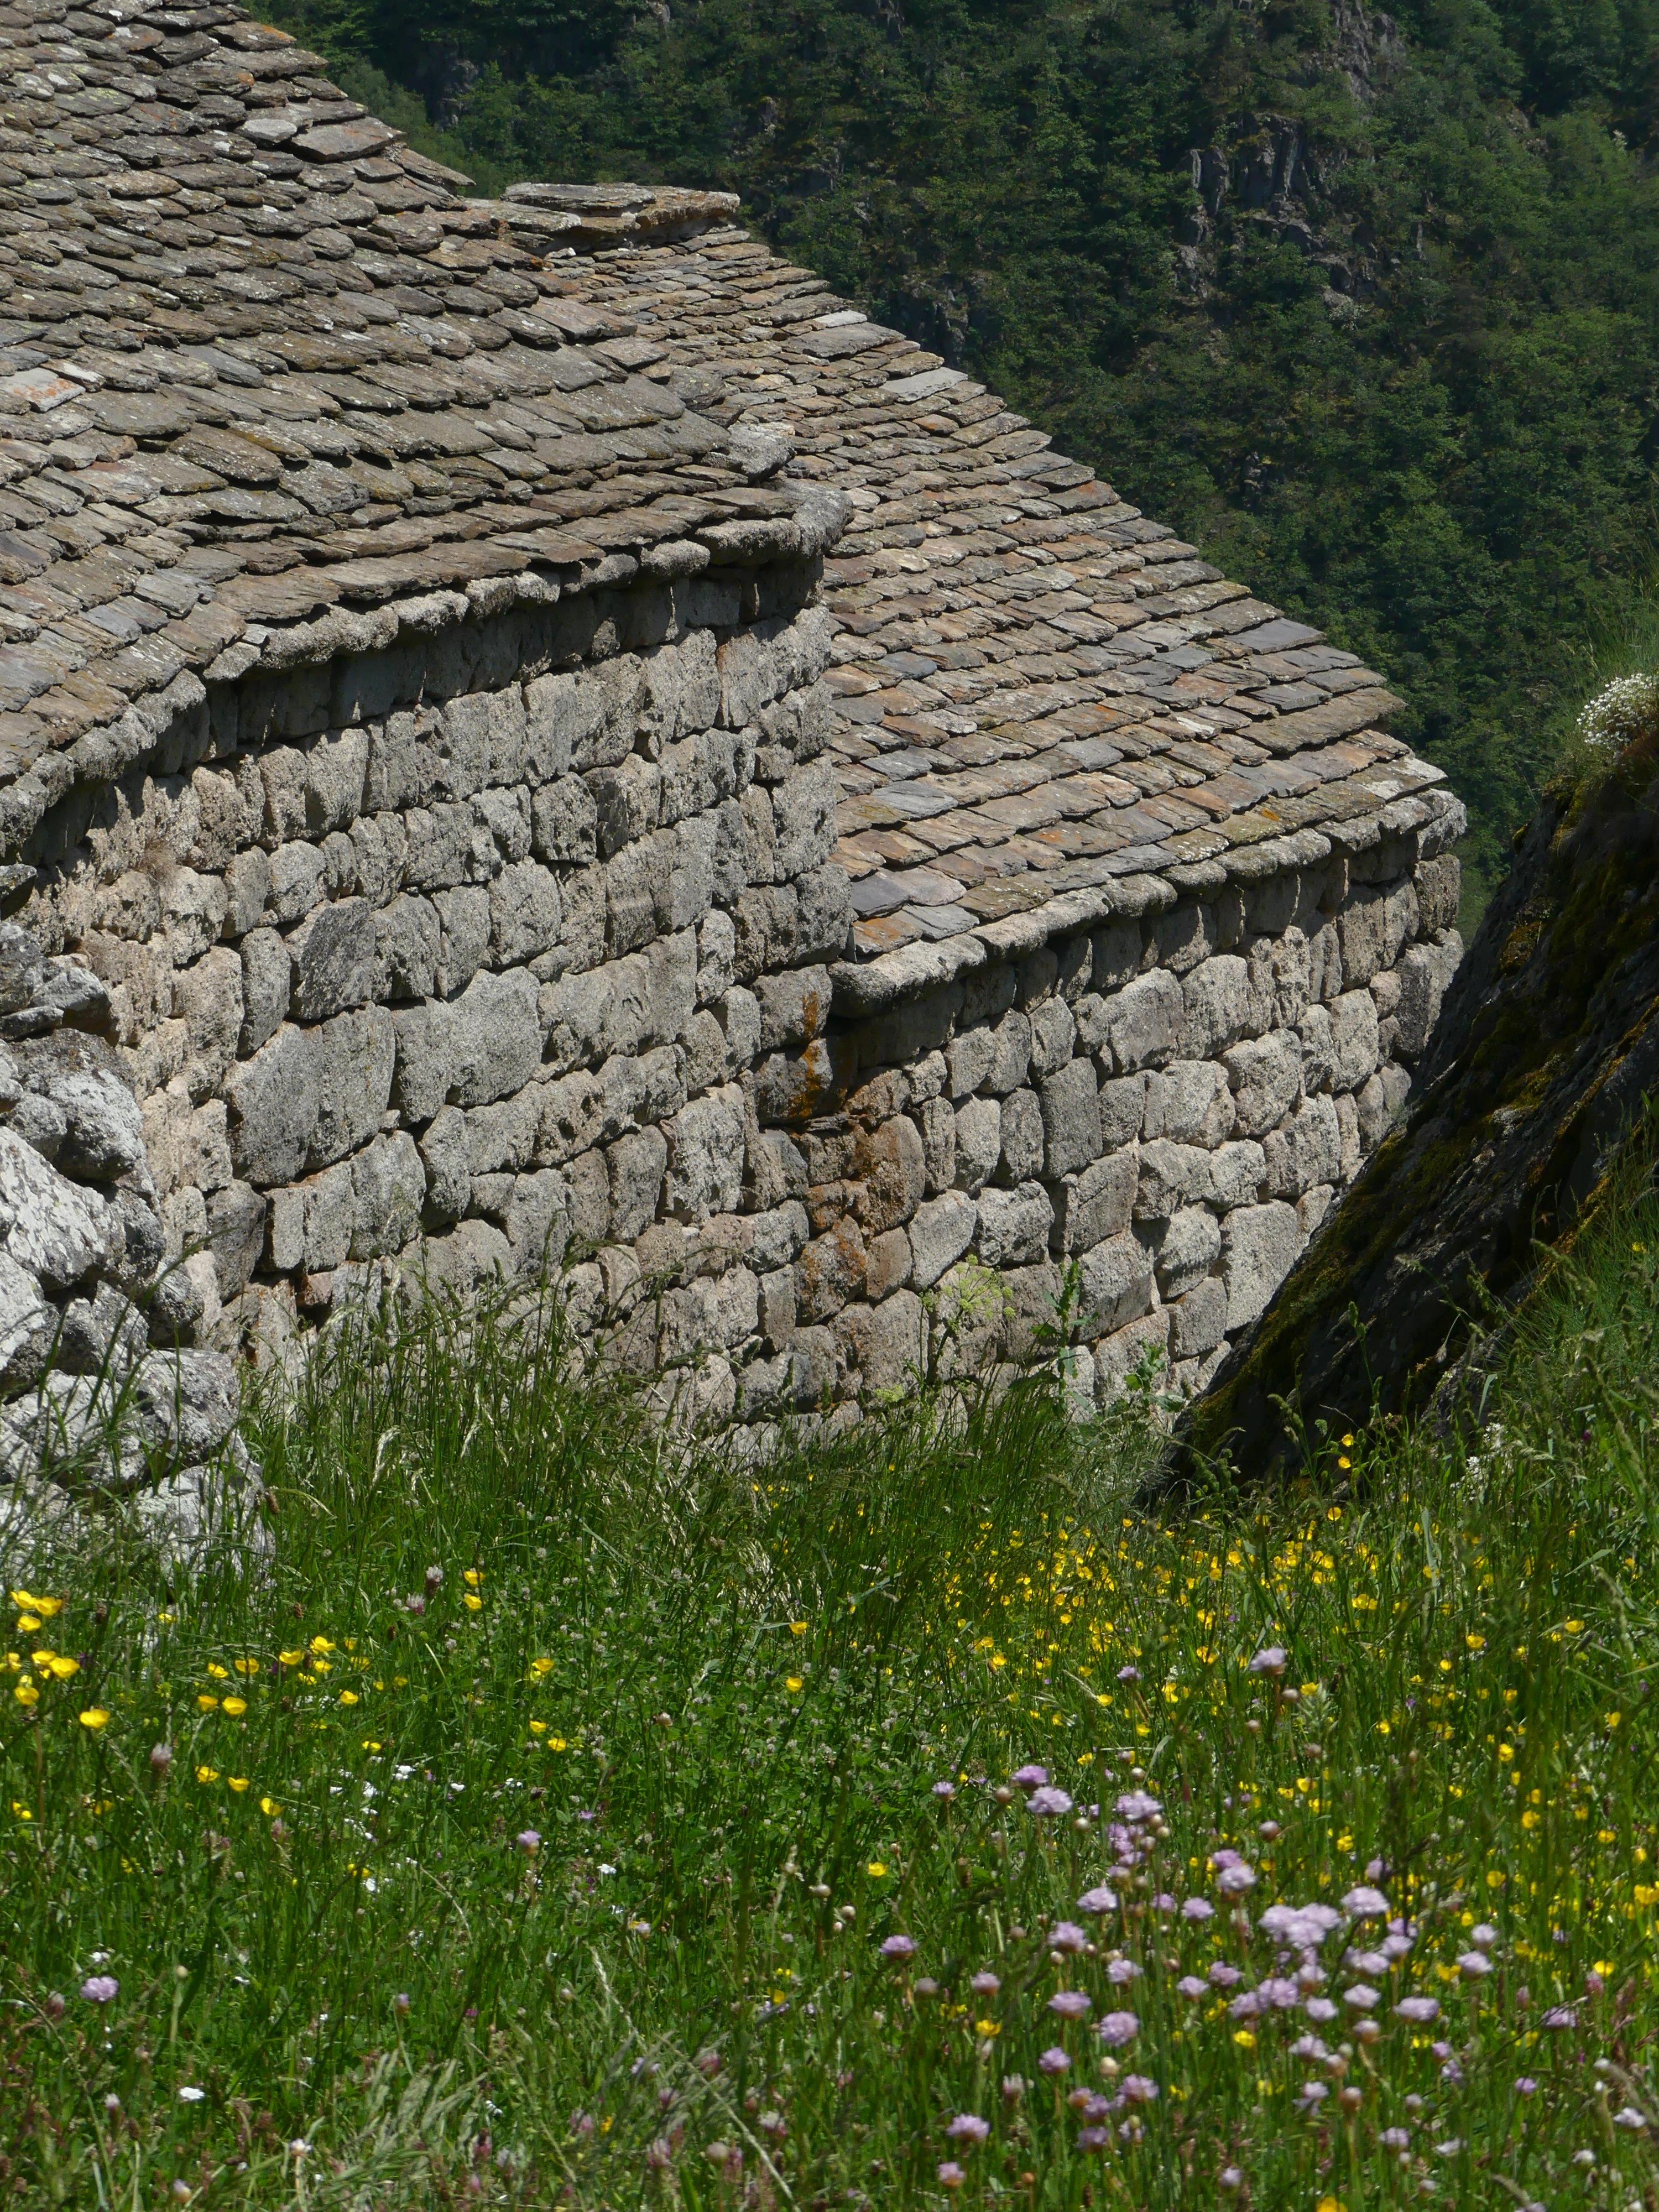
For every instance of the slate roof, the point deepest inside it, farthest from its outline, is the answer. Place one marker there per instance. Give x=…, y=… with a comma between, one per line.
x=268, y=376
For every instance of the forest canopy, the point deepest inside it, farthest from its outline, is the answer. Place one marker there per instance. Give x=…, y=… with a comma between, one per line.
x=1367, y=305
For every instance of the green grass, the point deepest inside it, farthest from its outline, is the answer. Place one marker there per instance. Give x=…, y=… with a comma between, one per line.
x=720, y=1702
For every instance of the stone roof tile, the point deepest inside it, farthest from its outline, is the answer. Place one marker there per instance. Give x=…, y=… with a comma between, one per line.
x=227, y=421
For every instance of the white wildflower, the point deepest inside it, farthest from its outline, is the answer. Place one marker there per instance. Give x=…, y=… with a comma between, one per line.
x=1620, y=711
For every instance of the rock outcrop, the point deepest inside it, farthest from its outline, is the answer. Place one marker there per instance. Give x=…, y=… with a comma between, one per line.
x=1546, y=1046
x=101, y=1399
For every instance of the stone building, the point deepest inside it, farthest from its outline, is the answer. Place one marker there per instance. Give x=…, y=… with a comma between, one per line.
x=531, y=734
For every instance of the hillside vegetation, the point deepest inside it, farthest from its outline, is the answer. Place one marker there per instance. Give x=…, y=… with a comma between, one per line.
x=564, y=1822
x=1370, y=305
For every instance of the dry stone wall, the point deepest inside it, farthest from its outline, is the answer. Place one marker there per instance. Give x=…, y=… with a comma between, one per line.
x=534, y=736
x=519, y=947
x=1121, y=1140
x=403, y=977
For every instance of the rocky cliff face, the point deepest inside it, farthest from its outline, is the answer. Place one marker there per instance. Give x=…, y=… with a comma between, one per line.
x=1547, y=1044
x=1266, y=173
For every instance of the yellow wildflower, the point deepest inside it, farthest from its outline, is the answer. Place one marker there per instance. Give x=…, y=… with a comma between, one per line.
x=94, y=1718
x=234, y=1706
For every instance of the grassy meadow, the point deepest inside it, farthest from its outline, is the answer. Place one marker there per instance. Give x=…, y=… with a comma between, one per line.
x=915, y=1820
